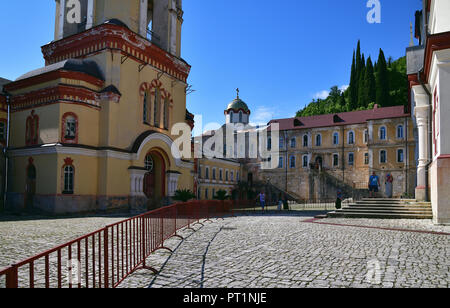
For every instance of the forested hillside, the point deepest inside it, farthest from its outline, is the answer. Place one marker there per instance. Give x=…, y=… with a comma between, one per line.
x=383, y=82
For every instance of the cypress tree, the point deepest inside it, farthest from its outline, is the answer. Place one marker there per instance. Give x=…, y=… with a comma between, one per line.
x=382, y=81
x=353, y=91
x=358, y=59
x=370, y=83
x=362, y=99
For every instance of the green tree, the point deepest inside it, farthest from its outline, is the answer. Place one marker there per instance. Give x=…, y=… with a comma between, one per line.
x=353, y=92
x=382, y=81
x=221, y=195
x=183, y=195
x=370, y=83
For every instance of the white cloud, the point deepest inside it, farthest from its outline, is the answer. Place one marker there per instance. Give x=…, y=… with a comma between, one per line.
x=344, y=87
x=263, y=115
x=325, y=93
x=322, y=94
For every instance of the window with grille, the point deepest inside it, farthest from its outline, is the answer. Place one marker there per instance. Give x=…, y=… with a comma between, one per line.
x=69, y=173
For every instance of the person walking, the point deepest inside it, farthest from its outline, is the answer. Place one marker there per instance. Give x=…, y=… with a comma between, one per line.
x=389, y=185
x=339, y=199
x=280, y=202
x=374, y=184
x=262, y=200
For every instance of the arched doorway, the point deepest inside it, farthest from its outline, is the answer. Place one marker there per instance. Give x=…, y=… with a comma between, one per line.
x=319, y=162
x=30, y=187
x=155, y=178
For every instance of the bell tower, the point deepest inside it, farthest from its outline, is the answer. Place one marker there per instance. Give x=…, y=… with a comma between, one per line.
x=73, y=16
x=159, y=21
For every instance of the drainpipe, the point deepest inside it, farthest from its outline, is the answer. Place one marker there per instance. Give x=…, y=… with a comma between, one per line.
x=430, y=133
x=430, y=110
x=5, y=150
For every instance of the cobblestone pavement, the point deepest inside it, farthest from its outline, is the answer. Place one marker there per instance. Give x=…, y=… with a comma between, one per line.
x=21, y=239
x=276, y=252
x=267, y=251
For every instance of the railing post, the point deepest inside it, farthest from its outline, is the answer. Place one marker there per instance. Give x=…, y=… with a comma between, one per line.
x=106, y=257
x=144, y=246
x=12, y=278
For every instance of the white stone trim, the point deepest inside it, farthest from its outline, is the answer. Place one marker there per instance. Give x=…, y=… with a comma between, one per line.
x=62, y=17
x=90, y=14
x=137, y=182
x=143, y=9
x=172, y=179
x=57, y=148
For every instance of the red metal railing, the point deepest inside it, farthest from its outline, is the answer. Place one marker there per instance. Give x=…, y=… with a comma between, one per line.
x=105, y=258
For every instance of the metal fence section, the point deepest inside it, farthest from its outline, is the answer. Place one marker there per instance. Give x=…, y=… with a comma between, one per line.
x=105, y=258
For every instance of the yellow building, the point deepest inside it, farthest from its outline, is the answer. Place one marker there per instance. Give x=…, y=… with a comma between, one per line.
x=214, y=175
x=3, y=137
x=321, y=154
x=92, y=129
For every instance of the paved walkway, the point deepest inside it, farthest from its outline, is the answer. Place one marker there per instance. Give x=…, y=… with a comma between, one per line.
x=295, y=251
x=266, y=251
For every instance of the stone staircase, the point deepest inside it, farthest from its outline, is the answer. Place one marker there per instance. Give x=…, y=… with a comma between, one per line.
x=385, y=208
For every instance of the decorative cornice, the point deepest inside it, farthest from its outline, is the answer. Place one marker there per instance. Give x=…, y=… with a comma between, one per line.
x=54, y=75
x=115, y=37
x=435, y=43
x=56, y=94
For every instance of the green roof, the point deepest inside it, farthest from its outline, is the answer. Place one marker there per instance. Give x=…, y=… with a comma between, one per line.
x=238, y=104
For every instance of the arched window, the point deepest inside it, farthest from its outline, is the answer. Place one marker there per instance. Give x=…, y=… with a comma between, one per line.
x=146, y=113
x=336, y=139
x=305, y=161
x=32, y=129
x=383, y=157
x=305, y=141
x=351, y=159
x=241, y=117
x=281, y=143
x=292, y=162
x=400, y=132
x=383, y=134
x=293, y=143
x=400, y=156
x=280, y=163
x=149, y=163
x=69, y=128
x=319, y=140
x=231, y=117
x=166, y=113
x=269, y=144
x=68, y=177
x=156, y=108
x=207, y=174
x=351, y=137
x=335, y=160
x=366, y=136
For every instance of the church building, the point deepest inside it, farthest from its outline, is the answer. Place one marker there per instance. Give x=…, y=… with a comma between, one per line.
x=428, y=69
x=91, y=130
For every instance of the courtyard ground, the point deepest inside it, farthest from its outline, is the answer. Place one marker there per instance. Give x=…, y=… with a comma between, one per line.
x=268, y=251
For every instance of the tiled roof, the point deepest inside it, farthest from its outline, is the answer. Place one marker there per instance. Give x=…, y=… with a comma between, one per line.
x=346, y=118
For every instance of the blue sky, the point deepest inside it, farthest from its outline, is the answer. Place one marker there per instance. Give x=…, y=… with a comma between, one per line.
x=280, y=54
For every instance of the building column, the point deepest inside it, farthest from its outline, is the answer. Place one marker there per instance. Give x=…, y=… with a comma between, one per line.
x=421, y=112
x=62, y=17
x=143, y=22
x=172, y=180
x=90, y=14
